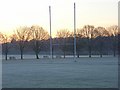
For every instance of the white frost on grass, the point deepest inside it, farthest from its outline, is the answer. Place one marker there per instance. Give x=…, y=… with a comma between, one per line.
x=61, y=73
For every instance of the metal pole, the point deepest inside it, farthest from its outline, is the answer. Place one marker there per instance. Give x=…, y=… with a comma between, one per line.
x=50, y=32
x=74, y=30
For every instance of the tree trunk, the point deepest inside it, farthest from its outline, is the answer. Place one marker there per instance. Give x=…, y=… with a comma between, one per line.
x=114, y=46
x=114, y=50
x=37, y=57
x=90, y=51
x=6, y=51
x=78, y=55
x=89, y=47
x=101, y=49
x=52, y=52
x=101, y=55
x=21, y=54
x=89, y=55
x=5, y=56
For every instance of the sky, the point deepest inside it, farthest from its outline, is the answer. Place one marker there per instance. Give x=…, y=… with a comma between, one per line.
x=16, y=13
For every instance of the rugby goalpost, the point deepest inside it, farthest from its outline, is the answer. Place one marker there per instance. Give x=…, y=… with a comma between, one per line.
x=51, y=45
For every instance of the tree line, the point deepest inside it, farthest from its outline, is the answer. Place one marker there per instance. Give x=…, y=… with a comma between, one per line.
x=89, y=40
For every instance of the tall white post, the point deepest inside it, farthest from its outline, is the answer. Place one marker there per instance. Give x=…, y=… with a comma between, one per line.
x=1, y=65
x=50, y=32
x=74, y=30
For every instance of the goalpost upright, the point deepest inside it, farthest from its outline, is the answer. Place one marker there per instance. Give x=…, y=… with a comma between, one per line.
x=50, y=32
x=74, y=30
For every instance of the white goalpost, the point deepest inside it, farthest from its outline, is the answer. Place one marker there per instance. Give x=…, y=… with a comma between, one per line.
x=50, y=32
x=74, y=30
x=51, y=45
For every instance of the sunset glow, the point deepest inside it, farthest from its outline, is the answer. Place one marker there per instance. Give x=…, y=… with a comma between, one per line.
x=16, y=13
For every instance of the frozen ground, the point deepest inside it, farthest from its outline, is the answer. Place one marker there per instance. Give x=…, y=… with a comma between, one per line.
x=61, y=73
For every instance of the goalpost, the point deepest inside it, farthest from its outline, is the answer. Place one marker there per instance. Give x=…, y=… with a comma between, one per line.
x=51, y=56
x=74, y=30
x=51, y=45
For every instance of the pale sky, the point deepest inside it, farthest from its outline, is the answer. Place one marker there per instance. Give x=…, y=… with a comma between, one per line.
x=15, y=13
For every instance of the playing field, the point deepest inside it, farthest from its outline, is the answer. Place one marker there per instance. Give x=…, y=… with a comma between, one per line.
x=61, y=73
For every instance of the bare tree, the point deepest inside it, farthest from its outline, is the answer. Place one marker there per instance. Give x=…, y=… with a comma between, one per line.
x=64, y=33
x=38, y=34
x=88, y=32
x=4, y=39
x=101, y=31
x=22, y=35
x=114, y=32
x=80, y=33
